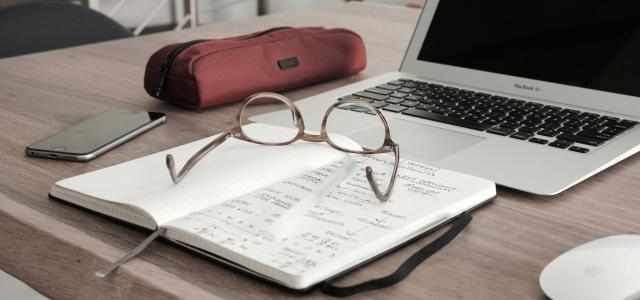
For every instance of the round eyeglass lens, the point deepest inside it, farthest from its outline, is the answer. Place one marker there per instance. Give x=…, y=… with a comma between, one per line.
x=365, y=129
x=269, y=110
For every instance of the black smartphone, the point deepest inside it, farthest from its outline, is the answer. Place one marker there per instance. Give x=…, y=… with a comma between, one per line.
x=95, y=136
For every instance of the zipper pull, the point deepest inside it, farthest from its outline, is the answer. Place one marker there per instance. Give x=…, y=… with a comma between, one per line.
x=161, y=79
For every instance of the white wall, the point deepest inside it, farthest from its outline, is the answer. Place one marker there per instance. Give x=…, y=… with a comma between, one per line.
x=282, y=5
x=135, y=11
x=226, y=10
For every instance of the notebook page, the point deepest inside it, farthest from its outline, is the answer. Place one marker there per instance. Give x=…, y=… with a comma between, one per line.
x=343, y=226
x=233, y=169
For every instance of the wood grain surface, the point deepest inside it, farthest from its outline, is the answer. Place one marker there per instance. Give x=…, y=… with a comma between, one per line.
x=56, y=248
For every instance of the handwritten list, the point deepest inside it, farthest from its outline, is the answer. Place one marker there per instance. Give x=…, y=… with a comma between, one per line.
x=317, y=220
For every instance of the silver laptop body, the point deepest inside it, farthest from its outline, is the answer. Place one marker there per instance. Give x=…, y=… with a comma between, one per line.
x=515, y=163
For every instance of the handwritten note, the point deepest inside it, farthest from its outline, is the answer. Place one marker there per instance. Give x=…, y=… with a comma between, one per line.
x=319, y=219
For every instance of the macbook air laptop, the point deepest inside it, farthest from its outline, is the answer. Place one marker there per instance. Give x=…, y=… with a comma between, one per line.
x=534, y=95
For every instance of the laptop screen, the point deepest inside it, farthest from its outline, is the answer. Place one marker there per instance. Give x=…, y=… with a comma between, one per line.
x=585, y=43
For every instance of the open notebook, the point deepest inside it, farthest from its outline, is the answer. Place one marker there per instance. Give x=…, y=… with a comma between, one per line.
x=295, y=215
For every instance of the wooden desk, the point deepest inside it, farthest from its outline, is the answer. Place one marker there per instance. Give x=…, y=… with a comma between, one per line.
x=56, y=248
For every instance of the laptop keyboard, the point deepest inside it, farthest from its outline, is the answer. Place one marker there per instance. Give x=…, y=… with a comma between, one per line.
x=537, y=123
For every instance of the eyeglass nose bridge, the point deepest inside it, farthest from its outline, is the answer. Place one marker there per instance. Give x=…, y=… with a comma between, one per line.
x=317, y=138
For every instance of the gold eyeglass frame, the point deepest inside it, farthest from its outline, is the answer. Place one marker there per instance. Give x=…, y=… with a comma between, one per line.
x=387, y=146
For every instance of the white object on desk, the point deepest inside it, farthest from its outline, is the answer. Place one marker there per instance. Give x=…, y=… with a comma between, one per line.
x=607, y=268
x=229, y=202
x=12, y=288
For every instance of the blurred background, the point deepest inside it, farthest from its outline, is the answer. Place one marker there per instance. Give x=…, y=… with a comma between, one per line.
x=147, y=16
x=29, y=26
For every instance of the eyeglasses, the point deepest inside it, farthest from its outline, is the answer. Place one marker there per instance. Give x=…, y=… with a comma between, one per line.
x=244, y=133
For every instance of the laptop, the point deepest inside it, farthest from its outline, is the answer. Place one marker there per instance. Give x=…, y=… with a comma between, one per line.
x=534, y=95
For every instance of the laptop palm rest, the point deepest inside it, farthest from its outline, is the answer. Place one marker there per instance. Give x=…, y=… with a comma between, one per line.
x=417, y=141
x=427, y=143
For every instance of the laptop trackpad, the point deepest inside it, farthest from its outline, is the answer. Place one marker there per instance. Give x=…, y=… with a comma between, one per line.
x=423, y=142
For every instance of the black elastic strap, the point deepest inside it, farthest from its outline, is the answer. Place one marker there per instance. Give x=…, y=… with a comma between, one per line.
x=404, y=269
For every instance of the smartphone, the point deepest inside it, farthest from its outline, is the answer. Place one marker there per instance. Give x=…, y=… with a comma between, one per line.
x=95, y=136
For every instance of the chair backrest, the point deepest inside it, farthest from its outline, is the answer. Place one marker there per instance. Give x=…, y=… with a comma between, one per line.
x=34, y=27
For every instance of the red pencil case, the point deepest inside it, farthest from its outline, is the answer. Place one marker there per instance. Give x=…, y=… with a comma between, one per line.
x=205, y=73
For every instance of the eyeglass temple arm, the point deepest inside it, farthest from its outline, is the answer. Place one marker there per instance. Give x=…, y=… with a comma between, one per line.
x=385, y=196
x=195, y=158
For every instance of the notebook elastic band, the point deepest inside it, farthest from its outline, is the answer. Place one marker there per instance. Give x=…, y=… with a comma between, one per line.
x=403, y=271
x=104, y=272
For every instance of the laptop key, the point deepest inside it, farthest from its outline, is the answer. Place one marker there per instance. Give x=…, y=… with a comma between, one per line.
x=595, y=135
x=581, y=139
x=613, y=131
x=608, y=124
x=550, y=125
x=451, y=89
x=408, y=103
x=521, y=135
x=492, y=122
x=562, y=144
x=531, y=122
x=426, y=107
x=499, y=99
x=394, y=108
x=420, y=93
x=538, y=141
x=514, y=119
x=347, y=107
x=439, y=110
x=406, y=90
x=352, y=97
x=608, y=118
x=378, y=104
x=579, y=149
x=591, y=120
x=379, y=91
x=554, y=108
x=555, y=120
x=501, y=131
x=569, y=129
x=618, y=126
x=511, y=125
x=360, y=109
x=478, y=119
x=398, y=95
x=588, y=114
x=549, y=133
x=369, y=95
x=594, y=127
x=388, y=87
x=467, y=92
x=627, y=123
x=517, y=102
x=444, y=119
x=409, y=85
x=393, y=100
x=530, y=129
x=576, y=117
x=395, y=82
x=429, y=101
x=413, y=98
